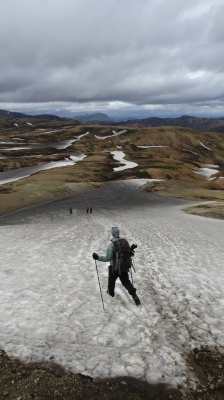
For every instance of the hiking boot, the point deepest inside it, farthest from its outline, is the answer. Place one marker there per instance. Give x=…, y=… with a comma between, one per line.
x=136, y=300
x=112, y=295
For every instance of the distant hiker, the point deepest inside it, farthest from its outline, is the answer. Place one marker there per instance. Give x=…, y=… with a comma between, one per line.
x=119, y=255
x=90, y=209
x=87, y=210
x=70, y=210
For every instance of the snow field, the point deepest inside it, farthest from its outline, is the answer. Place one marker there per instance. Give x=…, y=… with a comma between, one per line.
x=50, y=300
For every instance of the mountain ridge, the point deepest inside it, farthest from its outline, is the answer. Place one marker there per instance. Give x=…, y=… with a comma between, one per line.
x=95, y=117
x=185, y=121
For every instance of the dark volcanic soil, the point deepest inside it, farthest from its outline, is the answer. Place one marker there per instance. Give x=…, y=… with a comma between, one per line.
x=51, y=382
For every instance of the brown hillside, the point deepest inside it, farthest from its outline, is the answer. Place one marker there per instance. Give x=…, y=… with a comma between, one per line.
x=173, y=155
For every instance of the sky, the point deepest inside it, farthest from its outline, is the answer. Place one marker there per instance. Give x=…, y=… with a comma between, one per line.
x=50, y=303
x=130, y=58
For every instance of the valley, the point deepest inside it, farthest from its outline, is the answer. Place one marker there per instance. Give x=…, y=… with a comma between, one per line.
x=44, y=159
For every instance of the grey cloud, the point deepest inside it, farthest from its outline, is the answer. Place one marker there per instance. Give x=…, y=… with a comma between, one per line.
x=139, y=53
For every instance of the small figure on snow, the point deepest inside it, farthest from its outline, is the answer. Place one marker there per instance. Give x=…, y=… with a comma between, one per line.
x=70, y=210
x=90, y=209
x=119, y=255
x=87, y=210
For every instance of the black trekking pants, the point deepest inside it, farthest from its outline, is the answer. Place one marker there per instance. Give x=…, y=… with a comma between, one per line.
x=124, y=278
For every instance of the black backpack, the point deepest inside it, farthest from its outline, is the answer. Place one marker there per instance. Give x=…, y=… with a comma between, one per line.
x=122, y=260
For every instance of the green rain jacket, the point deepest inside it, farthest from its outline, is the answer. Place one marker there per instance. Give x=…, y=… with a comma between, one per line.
x=110, y=254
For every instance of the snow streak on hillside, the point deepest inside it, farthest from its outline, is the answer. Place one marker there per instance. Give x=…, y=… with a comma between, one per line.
x=51, y=307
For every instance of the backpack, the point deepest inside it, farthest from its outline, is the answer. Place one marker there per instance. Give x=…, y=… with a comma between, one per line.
x=122, y=260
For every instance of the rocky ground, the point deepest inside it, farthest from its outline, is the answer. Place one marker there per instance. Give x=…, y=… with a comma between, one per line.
x=51, y=382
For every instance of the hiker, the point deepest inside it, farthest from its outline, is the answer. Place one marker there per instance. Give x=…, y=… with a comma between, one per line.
x=113, y=269
x=87, y=210
x=90, y=209
x=70, y=210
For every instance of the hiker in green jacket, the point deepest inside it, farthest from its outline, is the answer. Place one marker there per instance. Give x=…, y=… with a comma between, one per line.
x=113, y=269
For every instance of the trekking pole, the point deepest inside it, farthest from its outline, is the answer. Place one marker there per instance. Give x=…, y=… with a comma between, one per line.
x=133, y=265
x=133, y=247
x=132, y=278
x=99, y=285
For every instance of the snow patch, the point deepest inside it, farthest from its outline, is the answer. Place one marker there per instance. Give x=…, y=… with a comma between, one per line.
x=204, y=146
x=20, y=173
x=114, y=134
x=119, y=156
x=148, y=147
x=207, y=173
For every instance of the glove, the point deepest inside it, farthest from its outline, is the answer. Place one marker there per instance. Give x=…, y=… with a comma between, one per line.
x=95, y=256
x=132, y=253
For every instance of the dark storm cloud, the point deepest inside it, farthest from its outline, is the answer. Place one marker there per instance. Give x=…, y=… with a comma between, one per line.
x=139, y=53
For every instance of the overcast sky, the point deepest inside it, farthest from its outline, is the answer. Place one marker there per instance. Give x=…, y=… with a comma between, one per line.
x=160, y=57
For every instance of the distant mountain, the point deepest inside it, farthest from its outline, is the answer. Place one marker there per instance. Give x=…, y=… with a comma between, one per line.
x=11, y=114
x=186, y=121
x=96, y=117
x=201, y=124
x=48, y=116
x=89, y=118
x=219, y=129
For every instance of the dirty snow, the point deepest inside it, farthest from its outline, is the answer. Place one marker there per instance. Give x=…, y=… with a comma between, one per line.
x=51, y=307
x=20, y=173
